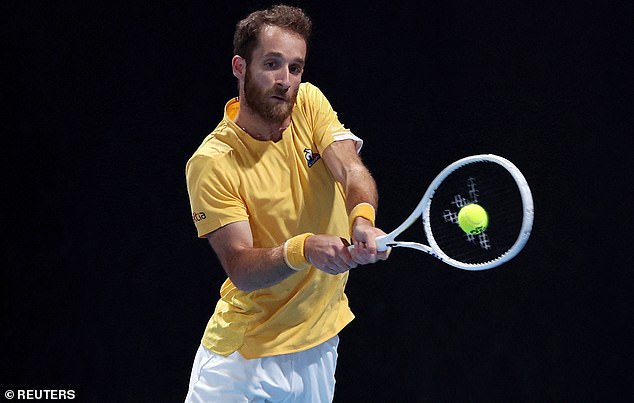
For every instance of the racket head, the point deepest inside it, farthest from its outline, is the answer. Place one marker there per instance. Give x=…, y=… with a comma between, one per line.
x=500, y=188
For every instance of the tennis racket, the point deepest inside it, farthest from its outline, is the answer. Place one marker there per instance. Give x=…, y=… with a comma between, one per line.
x=488, y=180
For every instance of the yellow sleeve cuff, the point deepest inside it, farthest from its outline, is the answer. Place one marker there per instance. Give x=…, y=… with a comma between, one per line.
x=294, y=252
x=365, y=210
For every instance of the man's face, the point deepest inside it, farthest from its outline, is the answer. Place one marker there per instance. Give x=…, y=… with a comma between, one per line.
x=273, y=74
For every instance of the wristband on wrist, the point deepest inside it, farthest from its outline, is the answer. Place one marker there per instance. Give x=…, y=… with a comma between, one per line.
x=294, y=252
x=365, y=210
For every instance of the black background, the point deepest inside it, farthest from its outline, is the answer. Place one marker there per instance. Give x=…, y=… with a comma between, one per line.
x=106, y=290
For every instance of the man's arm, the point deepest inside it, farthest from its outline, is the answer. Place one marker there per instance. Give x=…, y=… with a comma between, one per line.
x=346, y=166
x=247, y=267
x=252, y=268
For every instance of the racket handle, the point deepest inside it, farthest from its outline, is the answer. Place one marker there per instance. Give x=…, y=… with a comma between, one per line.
x=381, y=244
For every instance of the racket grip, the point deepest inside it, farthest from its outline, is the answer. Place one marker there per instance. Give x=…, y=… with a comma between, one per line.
x=381, y=244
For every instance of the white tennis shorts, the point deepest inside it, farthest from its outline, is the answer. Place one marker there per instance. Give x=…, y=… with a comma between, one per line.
x=305, y=376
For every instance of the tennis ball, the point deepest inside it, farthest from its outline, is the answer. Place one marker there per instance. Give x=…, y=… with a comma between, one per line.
x=473, y=219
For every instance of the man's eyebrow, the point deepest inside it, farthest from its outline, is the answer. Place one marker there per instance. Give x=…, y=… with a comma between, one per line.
x=299, y=60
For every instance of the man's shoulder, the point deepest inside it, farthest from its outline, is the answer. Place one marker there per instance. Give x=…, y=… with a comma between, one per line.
x=309, y=97
x=212, y=151
x=213, y=147
x=308, y=89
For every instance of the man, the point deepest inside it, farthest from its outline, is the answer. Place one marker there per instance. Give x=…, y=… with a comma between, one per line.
x=277, y=188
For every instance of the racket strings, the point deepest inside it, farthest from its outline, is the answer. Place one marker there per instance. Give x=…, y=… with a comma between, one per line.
x=493, y=188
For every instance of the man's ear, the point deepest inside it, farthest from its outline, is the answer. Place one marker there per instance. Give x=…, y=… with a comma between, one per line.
x=238, y=66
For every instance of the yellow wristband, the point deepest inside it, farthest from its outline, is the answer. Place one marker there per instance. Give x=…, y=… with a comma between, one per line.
x=365, y=210
x=294, y=252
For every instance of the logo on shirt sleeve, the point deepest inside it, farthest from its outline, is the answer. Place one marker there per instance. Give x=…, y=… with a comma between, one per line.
x=198, y=216
x=311, y=156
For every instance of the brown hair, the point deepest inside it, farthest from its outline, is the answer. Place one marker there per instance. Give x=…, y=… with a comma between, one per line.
x=245, y=37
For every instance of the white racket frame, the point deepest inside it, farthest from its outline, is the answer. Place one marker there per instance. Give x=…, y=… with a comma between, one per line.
x=423, y=209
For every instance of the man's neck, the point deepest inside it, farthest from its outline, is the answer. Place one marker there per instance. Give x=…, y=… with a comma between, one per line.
x=259, y=128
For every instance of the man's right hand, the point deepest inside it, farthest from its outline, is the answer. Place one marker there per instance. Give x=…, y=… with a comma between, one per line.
x=329, y=254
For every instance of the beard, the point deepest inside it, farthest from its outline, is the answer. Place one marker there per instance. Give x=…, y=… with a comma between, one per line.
x=260, y=102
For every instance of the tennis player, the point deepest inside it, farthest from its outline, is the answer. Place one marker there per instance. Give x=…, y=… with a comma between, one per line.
x=277, y=189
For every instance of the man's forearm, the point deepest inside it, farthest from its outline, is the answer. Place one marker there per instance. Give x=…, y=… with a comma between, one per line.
x=360, y=187
x=254, y=268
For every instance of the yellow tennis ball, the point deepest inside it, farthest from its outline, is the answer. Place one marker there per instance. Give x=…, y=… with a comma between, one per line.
x=473, y=219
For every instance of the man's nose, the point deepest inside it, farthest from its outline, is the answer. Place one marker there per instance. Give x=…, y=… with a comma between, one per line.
x=283, y=80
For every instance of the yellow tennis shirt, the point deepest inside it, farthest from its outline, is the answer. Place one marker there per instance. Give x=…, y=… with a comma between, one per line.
x=282, y=189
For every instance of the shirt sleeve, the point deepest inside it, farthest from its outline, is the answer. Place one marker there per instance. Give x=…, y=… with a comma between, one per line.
x=213, y=195
x=327, y=127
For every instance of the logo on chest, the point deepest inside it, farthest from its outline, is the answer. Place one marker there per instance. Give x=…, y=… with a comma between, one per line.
x=311, y=156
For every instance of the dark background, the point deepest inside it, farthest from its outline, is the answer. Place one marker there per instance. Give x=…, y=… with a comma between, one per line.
x=106, y=290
